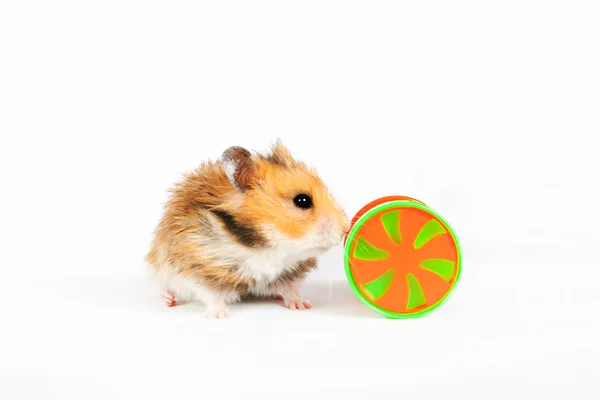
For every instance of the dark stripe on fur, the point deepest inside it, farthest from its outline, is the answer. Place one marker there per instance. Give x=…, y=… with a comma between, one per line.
x=244, y=233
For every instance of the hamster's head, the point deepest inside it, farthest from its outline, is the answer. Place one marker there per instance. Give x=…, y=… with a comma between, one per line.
x=285, y=198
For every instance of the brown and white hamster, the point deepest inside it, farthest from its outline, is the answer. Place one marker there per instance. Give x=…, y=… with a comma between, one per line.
x=248, y=224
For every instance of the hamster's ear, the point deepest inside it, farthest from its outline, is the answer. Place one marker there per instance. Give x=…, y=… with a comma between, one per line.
x=239, y=167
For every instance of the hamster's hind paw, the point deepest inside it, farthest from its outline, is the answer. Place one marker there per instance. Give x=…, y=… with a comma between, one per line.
x=168, y=298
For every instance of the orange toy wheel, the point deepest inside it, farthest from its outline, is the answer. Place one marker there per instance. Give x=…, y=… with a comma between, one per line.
x=401, y=258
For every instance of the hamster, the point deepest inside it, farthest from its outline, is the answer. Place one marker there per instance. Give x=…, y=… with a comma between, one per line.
x=245, y=225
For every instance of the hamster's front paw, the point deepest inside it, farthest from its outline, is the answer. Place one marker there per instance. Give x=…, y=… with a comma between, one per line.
x=298, y=305
x=292, y=300
x=217, y=311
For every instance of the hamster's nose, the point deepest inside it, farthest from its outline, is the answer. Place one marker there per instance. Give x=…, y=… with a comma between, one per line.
x=345, y=225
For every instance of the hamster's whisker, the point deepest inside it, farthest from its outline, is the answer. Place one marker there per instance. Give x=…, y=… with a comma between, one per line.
x=367, y=229
x=358, y=244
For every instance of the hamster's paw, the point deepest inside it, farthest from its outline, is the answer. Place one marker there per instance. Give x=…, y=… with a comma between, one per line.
x=218, y=312
x=294, y=302
x=168, y=298
x=291, y=298
x=299, y=305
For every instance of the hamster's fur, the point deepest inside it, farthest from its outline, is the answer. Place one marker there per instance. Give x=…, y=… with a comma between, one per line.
x=248, y=224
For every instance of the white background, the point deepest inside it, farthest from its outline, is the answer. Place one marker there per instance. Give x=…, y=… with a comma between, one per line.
x=487, y=112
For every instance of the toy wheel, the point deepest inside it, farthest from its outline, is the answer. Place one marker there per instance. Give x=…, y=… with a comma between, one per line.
x=401, y=258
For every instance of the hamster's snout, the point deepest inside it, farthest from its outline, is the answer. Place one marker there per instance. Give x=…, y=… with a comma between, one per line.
x=333, y=228
x=346, y=225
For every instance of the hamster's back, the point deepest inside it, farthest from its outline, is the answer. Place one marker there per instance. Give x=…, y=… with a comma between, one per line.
x=185, y=212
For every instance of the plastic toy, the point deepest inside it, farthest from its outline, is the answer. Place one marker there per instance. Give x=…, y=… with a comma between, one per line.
x=402, y=259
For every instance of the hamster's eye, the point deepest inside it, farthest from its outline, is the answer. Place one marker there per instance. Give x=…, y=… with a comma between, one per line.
x=303, y=201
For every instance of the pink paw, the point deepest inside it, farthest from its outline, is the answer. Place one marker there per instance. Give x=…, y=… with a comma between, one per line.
x=299, y=305
x=217, y=312
x=168, y=298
